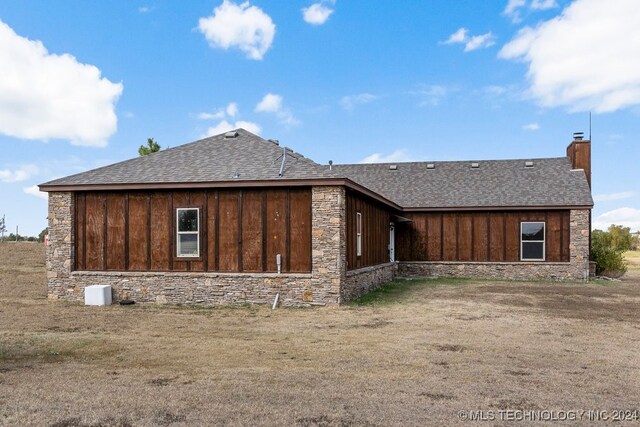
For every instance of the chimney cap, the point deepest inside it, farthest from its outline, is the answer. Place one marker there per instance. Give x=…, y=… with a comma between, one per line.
x=578, y=136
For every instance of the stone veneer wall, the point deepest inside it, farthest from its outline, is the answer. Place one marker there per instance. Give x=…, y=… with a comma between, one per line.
x=322, y=286
x=576, y=269
x=359, y=282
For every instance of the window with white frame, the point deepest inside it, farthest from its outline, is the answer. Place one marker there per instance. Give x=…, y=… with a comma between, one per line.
x=188, y=232
x=532, y=241
x=358, y=234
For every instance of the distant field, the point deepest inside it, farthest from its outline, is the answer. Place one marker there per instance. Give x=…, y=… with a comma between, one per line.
x=633, y=258
x=415, y=353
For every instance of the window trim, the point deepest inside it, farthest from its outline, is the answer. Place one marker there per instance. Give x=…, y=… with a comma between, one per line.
x=358, y=234
x=543, y=241
x=179, y=233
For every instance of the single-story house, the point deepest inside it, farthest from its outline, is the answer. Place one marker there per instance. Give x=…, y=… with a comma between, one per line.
x=236, y=218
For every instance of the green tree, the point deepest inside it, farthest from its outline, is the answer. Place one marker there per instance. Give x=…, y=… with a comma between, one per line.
x=620, y=237
x=151, y=147
x=42, y=234
x=609, y=259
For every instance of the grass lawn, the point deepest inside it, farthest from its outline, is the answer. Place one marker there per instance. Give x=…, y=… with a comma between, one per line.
x=413, y=353
x=633, y=258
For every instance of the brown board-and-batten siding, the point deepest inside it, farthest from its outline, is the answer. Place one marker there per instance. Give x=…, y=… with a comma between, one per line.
x=375, y=232
x=241, y=230
x=478, y=236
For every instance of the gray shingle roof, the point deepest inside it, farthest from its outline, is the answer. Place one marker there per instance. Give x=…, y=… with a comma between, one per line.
x=495, y=183
x=550, y=182
x=214, y=159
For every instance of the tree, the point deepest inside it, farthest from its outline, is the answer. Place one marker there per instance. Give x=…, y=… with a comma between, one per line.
x=151, y=147
x=42, y=234
x=609, y=259
x=620, y=237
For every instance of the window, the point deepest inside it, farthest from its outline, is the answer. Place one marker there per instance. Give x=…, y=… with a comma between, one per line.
x=532, y=236
x=358, y=234
x=188, y=232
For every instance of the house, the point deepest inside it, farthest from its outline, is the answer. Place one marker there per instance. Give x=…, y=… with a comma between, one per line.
x=237, y=218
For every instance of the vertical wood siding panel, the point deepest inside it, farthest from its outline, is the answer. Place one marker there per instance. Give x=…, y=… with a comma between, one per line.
x=512, y=238
x=115, y=231
x=95, y=231
x=420, y=239
x=300, y=227
x=465, y=237
x=434, y=227
x=228, y=230
x=212, y=219
x=496, y=224
x=554, y=228
x=480, y=237
x=252, y=231
x=137, y=231
x=566, y=235
x=276, y=227
x=160, y=230
x=449, y=236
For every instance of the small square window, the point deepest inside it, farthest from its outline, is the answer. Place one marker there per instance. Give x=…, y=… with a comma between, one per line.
x=188, y=232
x=532, y=241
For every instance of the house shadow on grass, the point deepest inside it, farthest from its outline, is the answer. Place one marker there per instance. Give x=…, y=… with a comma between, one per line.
x=400, y=290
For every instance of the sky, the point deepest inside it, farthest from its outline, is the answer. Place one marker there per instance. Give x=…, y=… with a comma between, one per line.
x=84, y=83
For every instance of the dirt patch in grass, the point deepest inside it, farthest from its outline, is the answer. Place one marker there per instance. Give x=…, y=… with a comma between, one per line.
x=415, y=354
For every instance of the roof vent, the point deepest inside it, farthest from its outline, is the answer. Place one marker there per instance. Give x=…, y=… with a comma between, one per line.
x=330, y=164
x=431, y=166
x=578, y=136
x=393, y=167
x=236, y=175
x=475, y=165
x=275, y=141
x=528, y=164
x=231, y=134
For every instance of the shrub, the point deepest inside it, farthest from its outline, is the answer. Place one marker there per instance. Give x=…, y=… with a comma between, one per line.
x=609, y=259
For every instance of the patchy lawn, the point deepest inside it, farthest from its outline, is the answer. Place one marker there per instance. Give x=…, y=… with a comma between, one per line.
x=633, y=259
x=415, y=353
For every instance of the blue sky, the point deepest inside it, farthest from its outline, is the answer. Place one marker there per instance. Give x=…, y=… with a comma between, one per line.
x=83, y=84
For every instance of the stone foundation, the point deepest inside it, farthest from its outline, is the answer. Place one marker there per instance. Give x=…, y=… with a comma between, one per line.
x=198, y=288
x=359, y=282
x=491, y=270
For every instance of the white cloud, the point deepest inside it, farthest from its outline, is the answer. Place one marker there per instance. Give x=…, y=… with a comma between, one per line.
x=239, y=25
x=33, y=191
x=397, y=156
x=614, y=196
x=531, y=126
x=627, y=217
x=225, y=126
x=272, y=103
x=432, y=95
x=47, y=96
x=24, y=172
x=230, y=110
x=471, y=42
x=316, y=14
x=543, y=4
x=349, y=102
x=584, y=59
x=145, y=9
x=512, y=10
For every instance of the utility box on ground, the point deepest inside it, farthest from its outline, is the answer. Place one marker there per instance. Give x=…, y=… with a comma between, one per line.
x=97, y=295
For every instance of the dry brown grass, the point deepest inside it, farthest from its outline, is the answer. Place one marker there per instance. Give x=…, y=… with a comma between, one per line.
x=633, y=259
x=429, y=351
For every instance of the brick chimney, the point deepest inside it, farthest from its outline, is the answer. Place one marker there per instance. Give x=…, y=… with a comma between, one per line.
x=579, y=152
